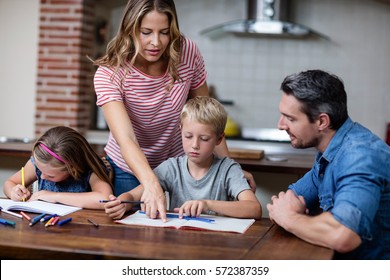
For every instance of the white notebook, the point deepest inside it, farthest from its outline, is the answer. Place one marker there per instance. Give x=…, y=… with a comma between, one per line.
x=220, y=223
x=38, y=206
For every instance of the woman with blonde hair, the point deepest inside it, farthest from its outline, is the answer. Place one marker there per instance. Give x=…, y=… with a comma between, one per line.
x=143, y=81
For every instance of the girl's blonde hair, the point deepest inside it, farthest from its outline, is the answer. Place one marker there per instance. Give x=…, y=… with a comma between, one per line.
x=125, y=46
x=63, y=146
x=206, y=110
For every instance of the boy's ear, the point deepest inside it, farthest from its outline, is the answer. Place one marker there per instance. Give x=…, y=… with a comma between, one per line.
x=220, y=138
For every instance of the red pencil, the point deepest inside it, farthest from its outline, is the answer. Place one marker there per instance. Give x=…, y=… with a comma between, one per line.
x=55, y=220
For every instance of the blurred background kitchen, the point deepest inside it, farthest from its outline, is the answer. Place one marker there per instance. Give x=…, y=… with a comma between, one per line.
x=244, y=70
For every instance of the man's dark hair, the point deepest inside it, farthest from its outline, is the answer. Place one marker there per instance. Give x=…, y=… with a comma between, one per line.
x=319, y=92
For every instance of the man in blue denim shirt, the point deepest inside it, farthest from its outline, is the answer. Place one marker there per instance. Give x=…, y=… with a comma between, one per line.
x=343, y=202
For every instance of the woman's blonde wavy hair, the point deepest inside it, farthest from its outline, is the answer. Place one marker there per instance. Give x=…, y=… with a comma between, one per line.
x=125, y=46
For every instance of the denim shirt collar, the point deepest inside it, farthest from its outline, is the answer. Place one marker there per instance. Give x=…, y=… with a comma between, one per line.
x=336, y=142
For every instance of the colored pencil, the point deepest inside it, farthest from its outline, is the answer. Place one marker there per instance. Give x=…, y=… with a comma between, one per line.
x=63, y=222
x=54, y=221
x=11, y=213
x=123, y=201
x=176, y=216
x=94, y=223
x=7, y=223
x=23, y=182
x=48, y=217
x=49, y=222
x=27, y=217
x=36, y=219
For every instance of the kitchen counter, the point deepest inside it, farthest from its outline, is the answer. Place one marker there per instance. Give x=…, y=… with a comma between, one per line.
x=278, y=158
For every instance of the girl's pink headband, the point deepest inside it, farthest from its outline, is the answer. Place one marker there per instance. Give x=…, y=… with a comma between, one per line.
x=52, y=153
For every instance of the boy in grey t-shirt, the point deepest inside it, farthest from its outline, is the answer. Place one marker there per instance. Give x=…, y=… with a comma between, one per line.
x=199, y=182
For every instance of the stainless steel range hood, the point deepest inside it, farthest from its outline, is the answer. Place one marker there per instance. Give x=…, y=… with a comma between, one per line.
x=264, y=18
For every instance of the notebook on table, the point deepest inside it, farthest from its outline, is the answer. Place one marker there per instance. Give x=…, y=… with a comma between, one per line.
x=38, y=206
x=206, y=222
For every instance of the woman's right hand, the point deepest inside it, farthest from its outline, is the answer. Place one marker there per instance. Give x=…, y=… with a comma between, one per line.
x=154, y=203
x=153, y=195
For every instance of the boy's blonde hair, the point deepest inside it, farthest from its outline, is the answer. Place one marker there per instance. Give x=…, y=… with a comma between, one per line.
x=206, y=110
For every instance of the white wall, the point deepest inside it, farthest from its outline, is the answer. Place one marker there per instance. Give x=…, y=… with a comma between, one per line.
x=249, y=71
x=18, y=56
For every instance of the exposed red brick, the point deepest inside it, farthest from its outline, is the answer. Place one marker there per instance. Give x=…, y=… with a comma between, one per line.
x=65, y=75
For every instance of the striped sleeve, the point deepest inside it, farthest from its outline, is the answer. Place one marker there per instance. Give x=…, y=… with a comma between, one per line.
x=107, y=85
x=193, y=59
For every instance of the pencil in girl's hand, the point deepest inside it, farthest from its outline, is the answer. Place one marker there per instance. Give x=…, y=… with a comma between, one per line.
x=23, y=176
x=23, y=182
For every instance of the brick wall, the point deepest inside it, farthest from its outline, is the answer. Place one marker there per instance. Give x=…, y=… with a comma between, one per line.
x=65, y=74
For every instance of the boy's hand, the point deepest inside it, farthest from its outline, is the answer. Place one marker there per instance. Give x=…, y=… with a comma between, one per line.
x=114, y=208
x=192, y=208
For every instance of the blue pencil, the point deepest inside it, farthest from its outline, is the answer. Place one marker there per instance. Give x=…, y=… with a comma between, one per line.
x=36, y=219
x=63, y=222
x=201, y=219
x=7, y=223
x=44, y=219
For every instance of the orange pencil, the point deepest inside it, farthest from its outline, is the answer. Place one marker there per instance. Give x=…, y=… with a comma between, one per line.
x=27, y=217
x=49, y=222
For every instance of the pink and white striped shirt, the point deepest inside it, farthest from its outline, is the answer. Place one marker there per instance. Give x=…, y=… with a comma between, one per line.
x=153, y=111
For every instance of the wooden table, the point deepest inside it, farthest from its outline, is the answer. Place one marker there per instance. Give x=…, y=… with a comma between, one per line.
x=79, y=239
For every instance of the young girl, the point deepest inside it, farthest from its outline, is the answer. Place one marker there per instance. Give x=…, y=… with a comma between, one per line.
x=199, y=182
x=67, y=169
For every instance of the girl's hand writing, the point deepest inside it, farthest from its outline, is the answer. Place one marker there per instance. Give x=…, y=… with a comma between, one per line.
x=20, y=193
